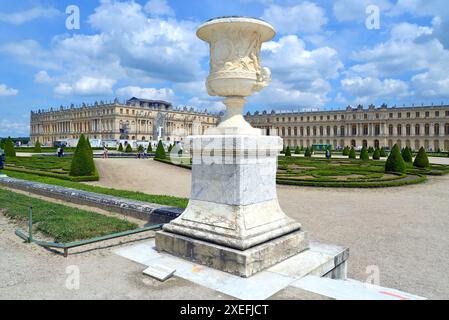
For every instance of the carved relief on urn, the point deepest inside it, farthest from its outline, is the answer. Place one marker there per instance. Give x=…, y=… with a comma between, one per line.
x=235, y=44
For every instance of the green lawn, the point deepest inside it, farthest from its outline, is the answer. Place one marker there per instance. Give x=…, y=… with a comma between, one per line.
x=63, y=224
x=159, y=199
x=320, y=172
x=48, y=166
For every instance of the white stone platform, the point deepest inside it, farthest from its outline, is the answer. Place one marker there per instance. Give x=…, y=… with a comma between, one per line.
x=304, y=271
x=320, y=260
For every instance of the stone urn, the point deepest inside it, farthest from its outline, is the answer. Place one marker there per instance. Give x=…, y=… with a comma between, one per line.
x=235, y=70
x=234, y=222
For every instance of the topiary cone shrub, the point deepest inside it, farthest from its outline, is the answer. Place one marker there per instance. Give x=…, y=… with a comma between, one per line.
x=376, y=154
x=120, y=148
x=371, y=150
x=407, y=155
x=82, y=162
x=150, y=148
x=129, y=149
x=9, y=148
x=346, y=151
x=37, y=147
x=421, y=160
x=308, y=153
x=288, y=152
x=352, y=154
x=160, y=151
x=395, y=162
x=297, y=150
x=383, y=153
x=364, y=154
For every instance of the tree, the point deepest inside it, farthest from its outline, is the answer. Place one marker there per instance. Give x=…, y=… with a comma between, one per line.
x=9, y=148
x=150, y=148
x=82, y=162
x=346, y=151
x=371, y=150
x=140, y=148
x=364, y=155
x=129, y=149
x=383, y=153
x=160, y=151
x=352, y=154
x=308, y=152
x=421, y=160
x=37, y=147
x=395, y=162
x=407, y=155
x=297, y=150
x=120, y=147
x=288, y=152
x=376, y=154
x=2, y=144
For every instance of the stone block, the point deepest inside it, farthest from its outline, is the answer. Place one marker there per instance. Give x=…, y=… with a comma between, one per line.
x=243, y=263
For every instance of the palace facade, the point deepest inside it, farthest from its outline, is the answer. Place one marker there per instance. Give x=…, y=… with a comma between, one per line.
x=137, y=119
x=424, y=126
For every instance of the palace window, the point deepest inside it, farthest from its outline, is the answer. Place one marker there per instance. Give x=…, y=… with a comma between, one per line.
x=437, y=129
x=308, y=131
x=377, y=129
x=399, y=130
x=296, y=131
x=408, y=130
x=335, y=131
x=417, y=130
x=321, y=118
x=447, y=113
x=342, y=117
x=365, y=130
x=427, y=114
x=437, y=114
x=377, y=116
x=417, y=115
x=321, y=131
x=301, y=130
x=391, y=115
x=342, y=131
x=365, y=116
x=408, y=114
x=289, y=131
x=427, y=129
x=314, y=118
x=390, y=129
x=354, y=130
x=446, y=129
x=335, y=117
x=314, y=131
x=328, y=131
x=399, y=115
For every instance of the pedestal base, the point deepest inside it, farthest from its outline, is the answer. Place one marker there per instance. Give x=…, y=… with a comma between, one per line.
x=242, y=263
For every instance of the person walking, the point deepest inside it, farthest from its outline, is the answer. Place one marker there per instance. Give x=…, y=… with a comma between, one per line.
x=105, y=152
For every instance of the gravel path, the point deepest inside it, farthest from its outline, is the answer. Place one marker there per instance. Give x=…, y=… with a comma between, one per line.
x=403, y=231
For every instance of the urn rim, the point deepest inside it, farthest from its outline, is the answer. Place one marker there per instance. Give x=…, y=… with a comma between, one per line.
x=267, y=30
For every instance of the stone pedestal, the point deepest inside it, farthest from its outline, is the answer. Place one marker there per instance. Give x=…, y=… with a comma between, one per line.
x=233, y=221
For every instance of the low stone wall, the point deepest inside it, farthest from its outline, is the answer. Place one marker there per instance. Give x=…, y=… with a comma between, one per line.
x=151, y=212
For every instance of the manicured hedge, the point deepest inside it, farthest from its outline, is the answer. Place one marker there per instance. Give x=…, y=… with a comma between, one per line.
x=395, y=163
x=83, y=163
x=421, y=160
x=9, y=148
x=160, y=151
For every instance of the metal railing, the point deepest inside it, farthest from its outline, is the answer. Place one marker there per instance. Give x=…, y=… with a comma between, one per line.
x=66, y=246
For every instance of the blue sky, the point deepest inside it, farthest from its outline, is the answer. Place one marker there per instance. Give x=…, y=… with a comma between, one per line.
x=322, y=56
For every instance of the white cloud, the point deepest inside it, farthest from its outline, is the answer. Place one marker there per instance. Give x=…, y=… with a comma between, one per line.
x=281, y=95
x=158, y=8
x=292, y=63
x=369, y=90
x=13, y=128
x=7, y=92
x=29, y=15
x=146, y=93
x=42, y=77
x=305, y=17
x=355, y=10
x=86, y=86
